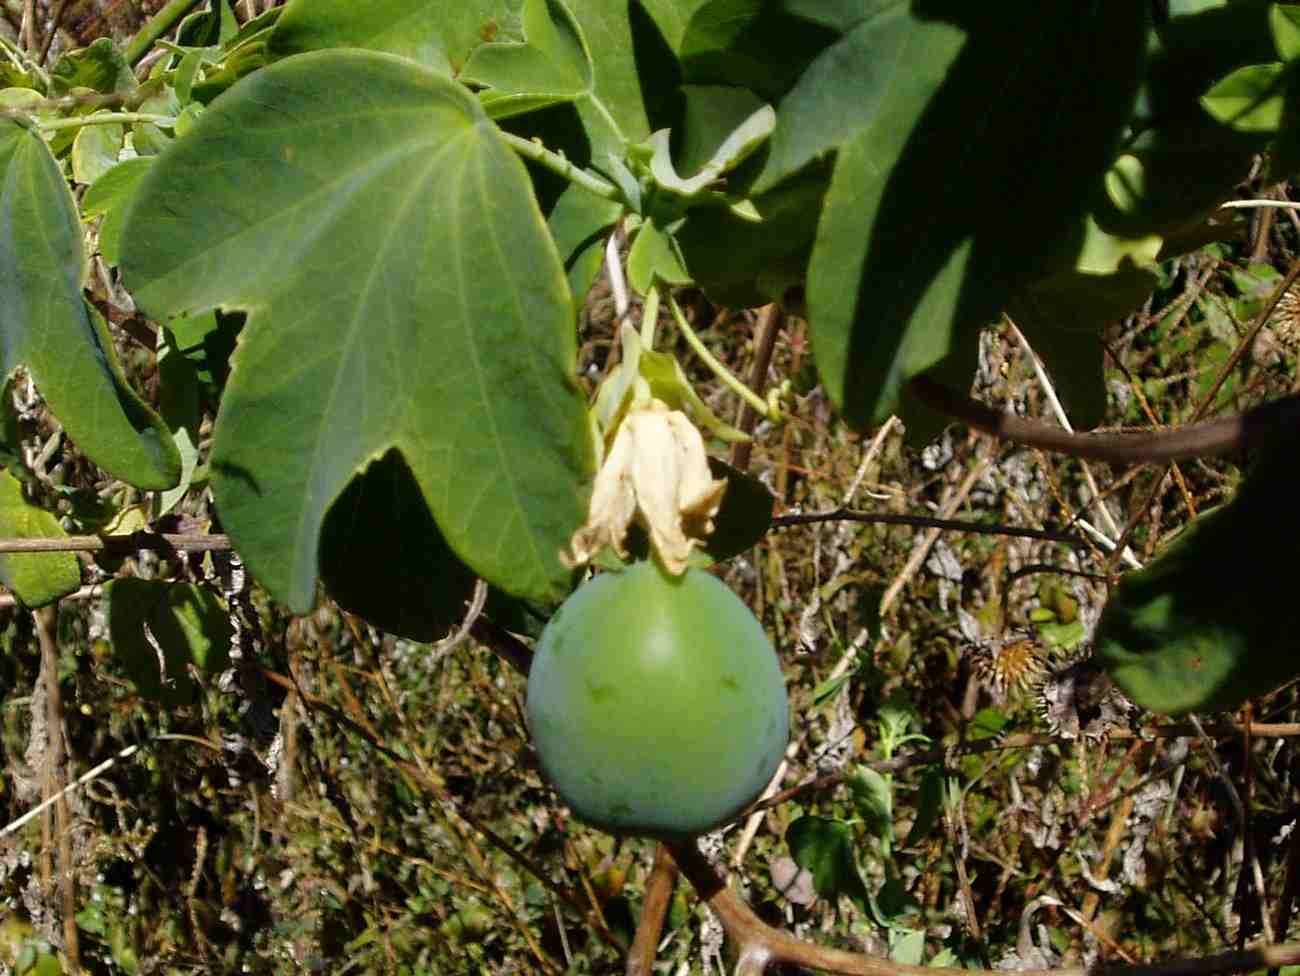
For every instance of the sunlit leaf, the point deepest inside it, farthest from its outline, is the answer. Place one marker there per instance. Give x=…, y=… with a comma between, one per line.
x=1251, y=99
x=94, y=151
x=435, y=33
x=100, y=67
x=109, y=197
x=415, y=302
x=555, y=59
x=49, y=328
x=36, y=578
x=873, y=796
x=653, y=257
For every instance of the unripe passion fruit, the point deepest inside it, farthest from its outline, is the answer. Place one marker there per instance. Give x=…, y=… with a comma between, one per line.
x=657, y=703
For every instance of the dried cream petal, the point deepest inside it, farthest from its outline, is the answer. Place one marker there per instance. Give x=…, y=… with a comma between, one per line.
x=699, y=494
x=613, y=505
x=656, y=470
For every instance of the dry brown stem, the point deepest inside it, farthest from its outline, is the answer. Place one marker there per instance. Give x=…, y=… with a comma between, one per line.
x=654, y=909
x=56, y=775
x=759, y=945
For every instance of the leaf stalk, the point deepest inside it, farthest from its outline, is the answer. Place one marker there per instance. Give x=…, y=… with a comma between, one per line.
x=560, y=166
x=110, y=118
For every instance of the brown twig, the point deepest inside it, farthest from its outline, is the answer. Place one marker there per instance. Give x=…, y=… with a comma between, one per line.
x=46, y=620
x=926, y=522
x=56, y=21
x=922, y=547
x=132, y=542
x=1212, y=439
x=654, y=909
x=770, y=321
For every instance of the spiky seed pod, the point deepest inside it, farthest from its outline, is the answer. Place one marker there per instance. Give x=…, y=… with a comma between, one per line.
x=1277, y=342
x=1011, y=665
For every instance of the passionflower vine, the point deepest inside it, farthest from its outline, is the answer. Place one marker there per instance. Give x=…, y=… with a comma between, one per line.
x=655, y=471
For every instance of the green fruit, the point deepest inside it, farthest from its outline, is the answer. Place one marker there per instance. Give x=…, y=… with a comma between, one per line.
x=657, y=703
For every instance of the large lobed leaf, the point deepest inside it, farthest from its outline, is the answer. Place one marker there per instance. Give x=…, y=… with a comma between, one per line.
x=46, y=325
x=958, y=167
x=529, y=53
x=435, y=33
x=403, y=292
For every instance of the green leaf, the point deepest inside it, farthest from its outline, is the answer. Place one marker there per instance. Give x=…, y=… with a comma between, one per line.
x=109, y=197
x=1284, y=21
x=873, y=797
x=742, y=264
x=959, y=163
x=671, y=18
x=551, y=60
x=50, y=329
x=12, y=76
x=824, y=848
x=383, y=558
x=710, y=114
x=751, y=43
x=99, y=67
x=653, y=256
x=988, y=723
x=907, y=946
x=179, y=404
x=579, y=222
x=95, y=151
x=929, y=806
x=1251, y=99
x=617, y=74
x=208, y=341
x=188, y=624
x=738, y=145
x=416, y=302
x=555, y=59
x=435, y=33
x=1200, y=628
x=36, y=578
